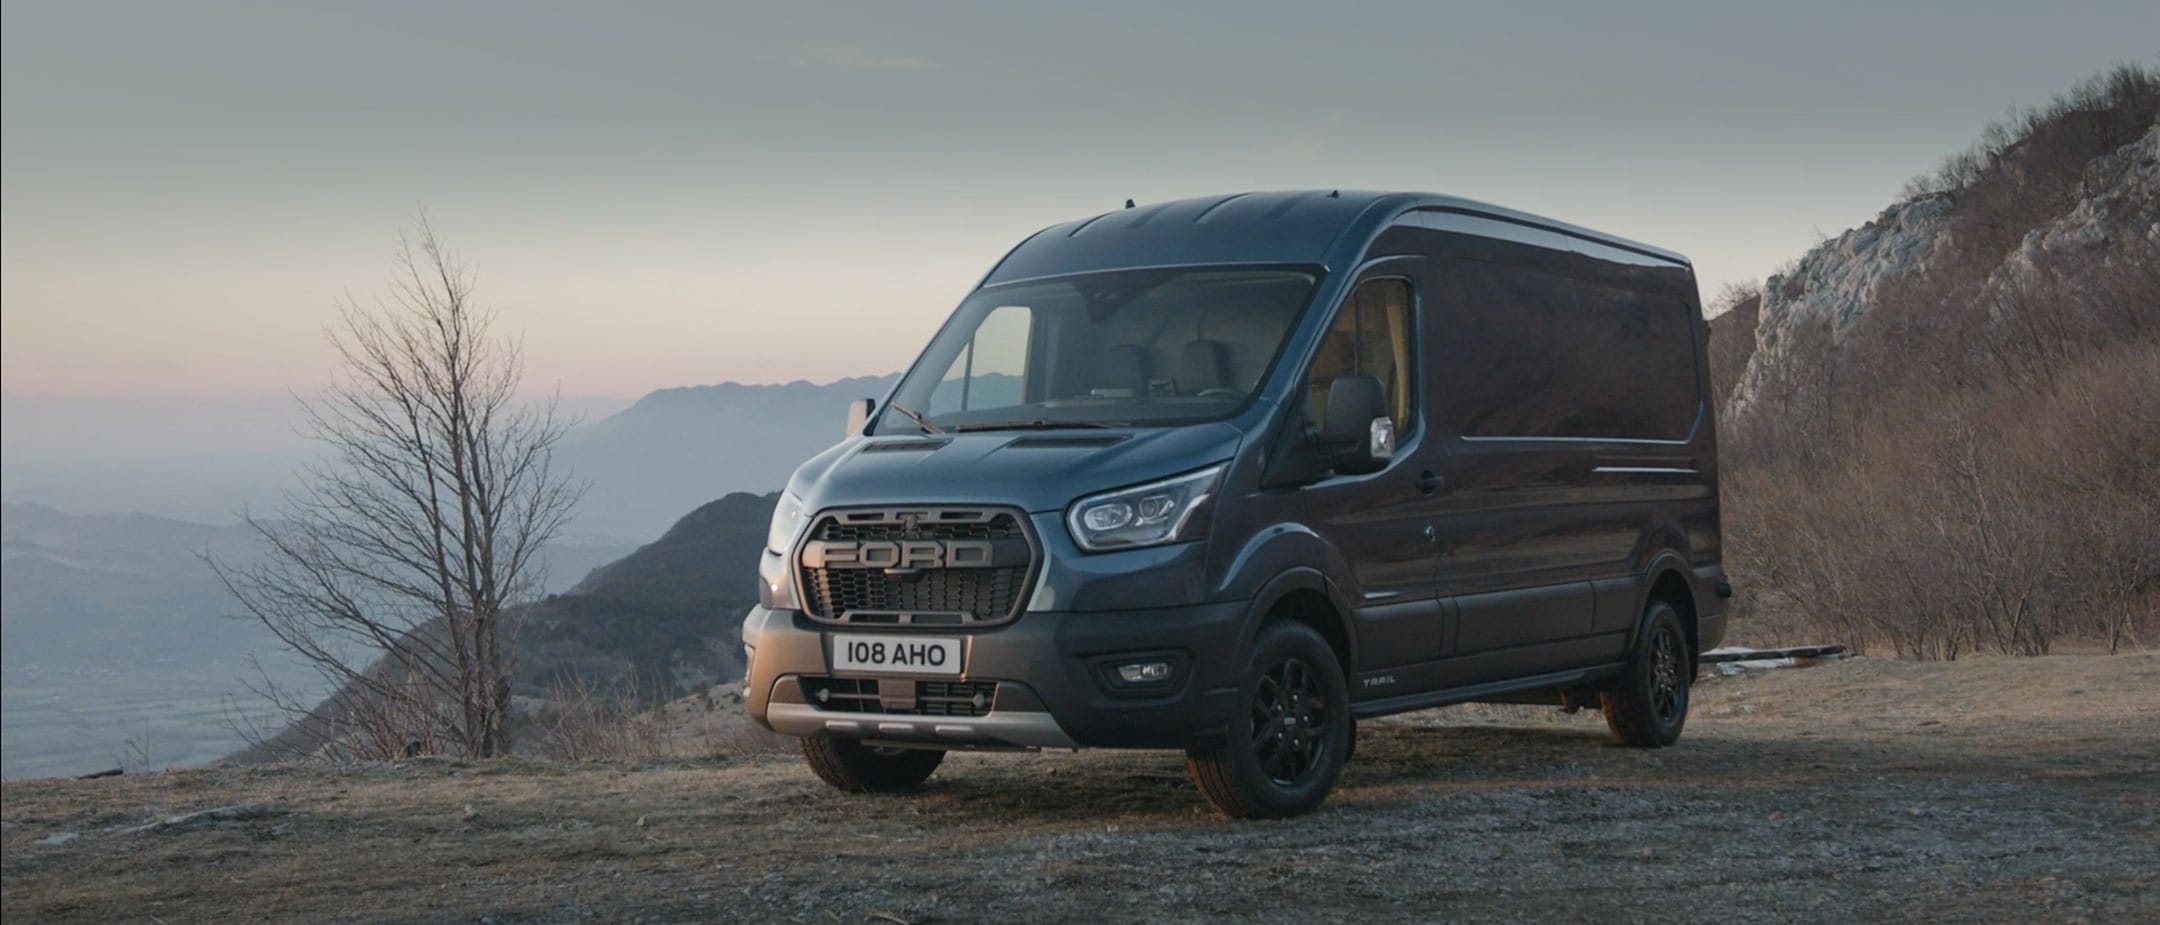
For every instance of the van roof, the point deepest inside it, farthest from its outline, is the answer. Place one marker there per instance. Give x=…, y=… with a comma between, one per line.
x=1299, y=226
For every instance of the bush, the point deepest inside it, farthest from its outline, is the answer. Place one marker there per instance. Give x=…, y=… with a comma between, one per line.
x=580, y=723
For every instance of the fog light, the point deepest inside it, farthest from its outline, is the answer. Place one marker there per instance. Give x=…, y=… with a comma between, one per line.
x=1144, y=672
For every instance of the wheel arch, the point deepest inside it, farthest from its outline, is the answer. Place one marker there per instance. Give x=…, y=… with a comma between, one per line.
x=1668, y=580
x=1303, y=595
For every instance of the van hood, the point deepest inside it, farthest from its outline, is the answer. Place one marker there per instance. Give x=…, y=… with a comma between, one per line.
x=1035, y=470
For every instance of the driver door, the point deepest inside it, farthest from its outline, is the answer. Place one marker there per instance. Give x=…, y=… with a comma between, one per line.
x=1382, y=523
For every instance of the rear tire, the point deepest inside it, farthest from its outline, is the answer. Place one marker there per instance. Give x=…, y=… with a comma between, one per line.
x=1282, y=753
x=849, y=765
x=1647, y=704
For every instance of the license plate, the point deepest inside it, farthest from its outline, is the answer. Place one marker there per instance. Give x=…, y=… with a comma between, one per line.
x=896, y=654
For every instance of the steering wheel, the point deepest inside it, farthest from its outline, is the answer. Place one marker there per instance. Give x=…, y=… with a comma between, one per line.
x=1221, y=392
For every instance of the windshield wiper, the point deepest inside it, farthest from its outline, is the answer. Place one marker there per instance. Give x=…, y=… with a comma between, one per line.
x=1038, y=424
x=919, y=420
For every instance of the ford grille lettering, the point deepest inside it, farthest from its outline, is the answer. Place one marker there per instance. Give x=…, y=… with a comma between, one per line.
x=898, y=554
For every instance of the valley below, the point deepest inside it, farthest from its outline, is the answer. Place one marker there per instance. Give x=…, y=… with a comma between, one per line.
x=89, y=717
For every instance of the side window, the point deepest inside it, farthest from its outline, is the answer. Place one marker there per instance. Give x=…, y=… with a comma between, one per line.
x=1371, y=336
x=991, y=371
x=1505, y=351
x=1533, y=354
x=1651, y=394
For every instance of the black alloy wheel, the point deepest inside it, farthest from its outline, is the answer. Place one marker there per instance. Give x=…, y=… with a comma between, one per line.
x=1667, y=699
x=1646, y=706
x=1289, y=721
x=1281, y=754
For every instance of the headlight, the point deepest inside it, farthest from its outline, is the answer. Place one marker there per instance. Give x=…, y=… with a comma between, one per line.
x=787, y=523
x=1144, y=515
x=775, y=589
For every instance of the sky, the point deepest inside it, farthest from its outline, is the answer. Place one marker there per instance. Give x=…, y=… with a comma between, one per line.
x=658, y=195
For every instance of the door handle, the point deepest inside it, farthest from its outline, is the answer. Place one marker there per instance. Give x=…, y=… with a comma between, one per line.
x=1429, y=481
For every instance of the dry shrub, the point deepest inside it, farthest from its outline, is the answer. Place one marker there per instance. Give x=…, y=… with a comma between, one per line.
x=715, y=723
x=397, y=715
x=581, y=723
x=1955, y=521
x=2034, y=154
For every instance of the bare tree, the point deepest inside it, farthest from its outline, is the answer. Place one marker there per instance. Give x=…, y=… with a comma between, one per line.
x=393, y=570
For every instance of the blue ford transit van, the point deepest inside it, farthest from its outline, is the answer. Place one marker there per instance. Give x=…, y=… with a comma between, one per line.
x=1227, y=475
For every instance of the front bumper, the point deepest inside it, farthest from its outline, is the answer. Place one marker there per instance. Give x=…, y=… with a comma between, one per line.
x=1054, y=673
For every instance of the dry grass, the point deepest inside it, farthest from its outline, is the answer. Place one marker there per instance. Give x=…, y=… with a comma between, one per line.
x=578, y=723
x=1986, y=789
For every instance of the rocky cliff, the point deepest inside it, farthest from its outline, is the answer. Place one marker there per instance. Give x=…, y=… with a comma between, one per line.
x=1920, y=248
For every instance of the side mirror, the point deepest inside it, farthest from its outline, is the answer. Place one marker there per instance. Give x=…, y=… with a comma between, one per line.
x=858, y=414
x=1359, y=436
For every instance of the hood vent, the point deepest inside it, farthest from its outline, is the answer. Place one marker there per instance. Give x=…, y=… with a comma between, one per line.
x=1081, y=441
x=904, y=446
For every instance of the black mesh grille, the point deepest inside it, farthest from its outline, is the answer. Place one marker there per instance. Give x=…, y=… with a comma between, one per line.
x=931, y=698
x=925, y=597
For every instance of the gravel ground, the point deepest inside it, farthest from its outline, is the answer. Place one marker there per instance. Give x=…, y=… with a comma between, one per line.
x=1990, y=790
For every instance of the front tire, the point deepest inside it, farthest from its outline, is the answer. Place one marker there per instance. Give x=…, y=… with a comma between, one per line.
x=849, y=765
x=1281, y=755
x=1647, y=704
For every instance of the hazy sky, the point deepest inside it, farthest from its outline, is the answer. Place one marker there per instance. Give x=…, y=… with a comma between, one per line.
x=662, y=194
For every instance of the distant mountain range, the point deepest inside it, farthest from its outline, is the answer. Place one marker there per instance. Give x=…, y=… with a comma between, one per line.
x=678, y=448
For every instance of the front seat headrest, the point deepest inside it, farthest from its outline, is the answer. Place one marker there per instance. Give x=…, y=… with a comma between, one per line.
x=1121, y=372
x=1203, y=365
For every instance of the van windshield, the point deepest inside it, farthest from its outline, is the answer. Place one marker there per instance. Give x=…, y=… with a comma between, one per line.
x=1157, y=346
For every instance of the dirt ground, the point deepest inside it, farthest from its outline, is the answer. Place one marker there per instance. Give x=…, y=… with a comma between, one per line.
x=1868, y=790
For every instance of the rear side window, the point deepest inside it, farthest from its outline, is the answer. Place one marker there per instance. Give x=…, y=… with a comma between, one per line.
x=1526, y=353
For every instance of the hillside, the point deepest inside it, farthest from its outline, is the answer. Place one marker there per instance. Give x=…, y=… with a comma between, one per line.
x=669, y=614
x=663, y=622
x=1941, y=434
x=2011, y=790
x=678, y=448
